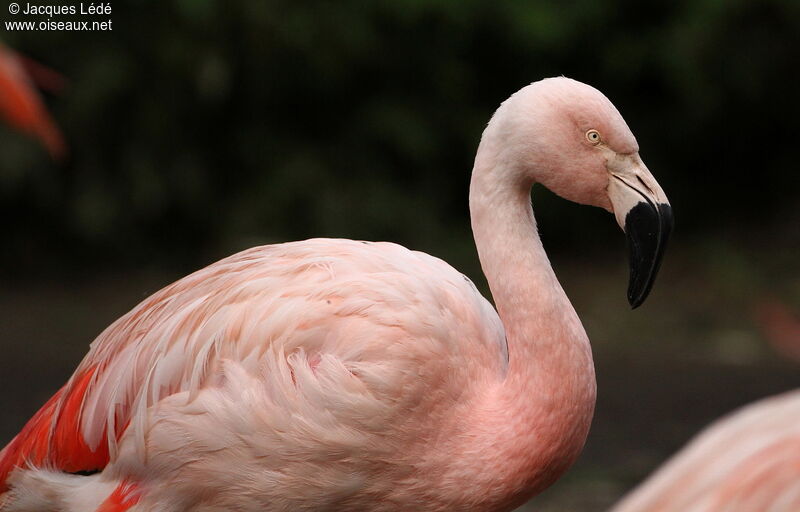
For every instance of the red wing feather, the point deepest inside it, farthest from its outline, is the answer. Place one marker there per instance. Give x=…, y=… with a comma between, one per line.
x=22, y=106
x=52, y=438
x=124, y=497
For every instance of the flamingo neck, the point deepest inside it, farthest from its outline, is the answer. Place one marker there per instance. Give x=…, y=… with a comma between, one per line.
x=535, y=422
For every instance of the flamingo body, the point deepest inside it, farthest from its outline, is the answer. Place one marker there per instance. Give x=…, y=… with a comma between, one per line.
x=352, y=376
x=320, y=334
x=747, y=461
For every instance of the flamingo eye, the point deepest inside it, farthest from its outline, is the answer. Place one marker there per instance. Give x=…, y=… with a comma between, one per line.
x=593, y=136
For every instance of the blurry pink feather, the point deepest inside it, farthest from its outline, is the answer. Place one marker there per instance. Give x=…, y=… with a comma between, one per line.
x=747, y=461
x=22, y=106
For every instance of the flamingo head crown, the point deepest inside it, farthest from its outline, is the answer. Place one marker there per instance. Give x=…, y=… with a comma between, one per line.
x=569, y=137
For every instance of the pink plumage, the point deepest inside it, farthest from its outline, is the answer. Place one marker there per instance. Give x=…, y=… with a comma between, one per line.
x=748, y=461
x=343, y=375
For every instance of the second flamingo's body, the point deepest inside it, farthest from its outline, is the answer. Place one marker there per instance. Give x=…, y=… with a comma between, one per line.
x=747, y=461
x=344, y=375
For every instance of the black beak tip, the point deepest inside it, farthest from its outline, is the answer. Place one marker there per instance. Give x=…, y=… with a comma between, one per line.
x=647, y=227
x=634, y=301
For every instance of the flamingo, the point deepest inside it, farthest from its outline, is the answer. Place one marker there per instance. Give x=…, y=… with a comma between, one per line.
x=350, y=375
x=21, y=105
x=745, y=462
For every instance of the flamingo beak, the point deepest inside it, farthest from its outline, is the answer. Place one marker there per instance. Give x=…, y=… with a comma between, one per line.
x=644, y=213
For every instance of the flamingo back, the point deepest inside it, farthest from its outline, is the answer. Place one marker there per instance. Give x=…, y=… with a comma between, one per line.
x=306, y=353
x=749, y=460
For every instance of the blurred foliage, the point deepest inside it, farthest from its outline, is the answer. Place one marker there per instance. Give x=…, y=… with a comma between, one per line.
x=200, y=126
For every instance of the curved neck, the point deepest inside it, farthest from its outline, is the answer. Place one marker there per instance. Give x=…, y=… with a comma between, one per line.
x=542, y=409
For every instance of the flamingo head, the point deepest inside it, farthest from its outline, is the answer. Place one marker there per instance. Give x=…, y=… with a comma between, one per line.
x=569, y=137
